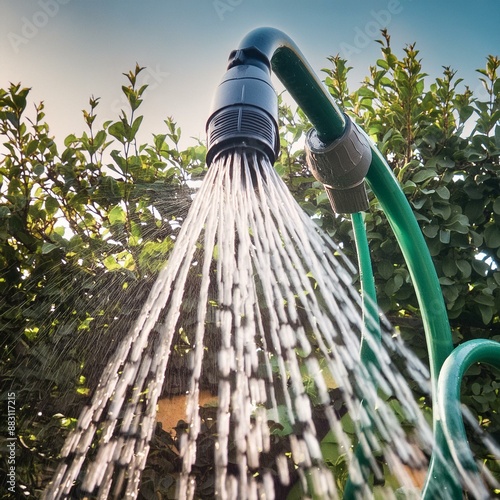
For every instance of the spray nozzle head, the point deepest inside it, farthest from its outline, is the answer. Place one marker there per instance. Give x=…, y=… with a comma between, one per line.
x=245, y=108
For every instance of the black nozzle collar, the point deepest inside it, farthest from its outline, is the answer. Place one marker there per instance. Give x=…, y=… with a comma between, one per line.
x=341, y=166
x=251, y=56
x=245, y=108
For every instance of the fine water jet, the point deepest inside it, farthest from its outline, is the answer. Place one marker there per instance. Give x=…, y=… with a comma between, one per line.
x=279, y=294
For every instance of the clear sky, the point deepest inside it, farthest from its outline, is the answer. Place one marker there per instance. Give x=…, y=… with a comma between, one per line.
x=68, y=50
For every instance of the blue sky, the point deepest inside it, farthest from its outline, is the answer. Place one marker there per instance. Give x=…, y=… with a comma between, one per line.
x=68, y=50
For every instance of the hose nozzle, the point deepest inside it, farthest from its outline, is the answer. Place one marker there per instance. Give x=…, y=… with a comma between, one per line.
x=245, y=108
x=341, y=166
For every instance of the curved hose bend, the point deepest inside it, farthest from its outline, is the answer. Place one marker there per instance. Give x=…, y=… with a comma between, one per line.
x=293, y=70
x=449, y=408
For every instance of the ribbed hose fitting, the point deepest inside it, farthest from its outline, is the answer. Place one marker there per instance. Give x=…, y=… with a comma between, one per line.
x=245, y=108
x=341, y=166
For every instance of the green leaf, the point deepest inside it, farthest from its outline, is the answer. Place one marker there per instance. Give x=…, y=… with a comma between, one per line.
x=38, y=169
x=117, y=130
x=285, y=427
x=418, y=203
x=385, y=269
x=450, y=293
x=386, y=82
x=135, y=128
x=473, y=191
x=159, y=141
x=480, y=267
x=458, y=223
x=476, y=389
x=111, y=263
x=393, y=285
x=496, y=205
x=496, y=277
x=486, y=313
x=154, y=254
x=492, y=236
x=48, y=247
x=51, y=205
x=449, y=267
x=423, y=175
x=32, y=147
x=382, y=63
x=464, y=267
x=347, y=424
x=99, y=139
x=465, y=113
x=430, y=230
x=365, y=92
x=444, y=236
x=443, y=192
x=126, y=260
x=442, y=209
x=119, y=160
x=485, y=299
x=117, y=215
x=75, y=244
x=136, y=235
x=474, y=210
x=477, y=238
x=446, y=281
x=445, y=162
x=70, y=139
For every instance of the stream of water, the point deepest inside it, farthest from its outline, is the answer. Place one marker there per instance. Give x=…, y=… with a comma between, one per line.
x=275, y=296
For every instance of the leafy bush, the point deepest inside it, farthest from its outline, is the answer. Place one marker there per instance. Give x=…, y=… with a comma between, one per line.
x=82, y=234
